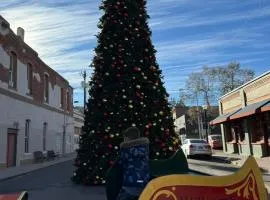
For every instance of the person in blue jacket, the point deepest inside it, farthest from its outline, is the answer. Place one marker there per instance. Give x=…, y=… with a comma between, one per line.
x=134, y=160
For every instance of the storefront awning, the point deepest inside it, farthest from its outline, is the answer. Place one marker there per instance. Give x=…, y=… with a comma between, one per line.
x=222, y=118
x=265, y=107
x=249, y=110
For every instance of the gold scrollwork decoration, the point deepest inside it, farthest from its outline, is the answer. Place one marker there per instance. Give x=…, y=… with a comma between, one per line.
x=168, y=194
x=245, y=188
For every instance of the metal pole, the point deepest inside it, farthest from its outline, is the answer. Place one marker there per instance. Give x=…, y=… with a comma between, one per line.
x=198, y=117
x=84, y=89
x=64, y=134
x=206, y=125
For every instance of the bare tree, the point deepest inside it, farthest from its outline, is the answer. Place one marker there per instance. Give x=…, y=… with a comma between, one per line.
x=232, y=76
x=201, y=84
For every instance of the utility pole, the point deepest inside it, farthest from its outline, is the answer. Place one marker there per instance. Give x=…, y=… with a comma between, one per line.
x=206, y=122
x=198, y=117
x=64, y=135
x=84, y=89
x=83, y=73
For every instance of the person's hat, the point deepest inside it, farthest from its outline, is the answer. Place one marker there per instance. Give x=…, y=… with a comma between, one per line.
x=131, y=133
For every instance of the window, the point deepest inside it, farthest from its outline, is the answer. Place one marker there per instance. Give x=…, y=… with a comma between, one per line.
x=68, y=101
x=46, y=88
x=12, y=72
x=62, y=98
x=29, y=77
x=26, y=136
x=198, y=141
x=45, y=125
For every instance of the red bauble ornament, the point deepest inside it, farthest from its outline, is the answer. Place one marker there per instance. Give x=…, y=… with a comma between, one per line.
x=78, y=163
x=106, y=137
x=111, y=163
x=105, y=114
x=146, y=133
x=125, y=14
x=118, y=75
x=110, y=146
x=149, y=124
x=162, y=145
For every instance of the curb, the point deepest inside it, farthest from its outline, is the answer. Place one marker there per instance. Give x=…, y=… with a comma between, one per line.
x=33, y=170
x=225, y=160
x=239, y=163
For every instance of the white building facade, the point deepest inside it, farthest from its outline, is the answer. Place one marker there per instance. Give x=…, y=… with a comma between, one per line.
x=78, y=124
x=35, y=103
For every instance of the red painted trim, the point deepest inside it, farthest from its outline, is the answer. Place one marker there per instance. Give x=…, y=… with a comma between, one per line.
x=245, y=114
x=265, y=108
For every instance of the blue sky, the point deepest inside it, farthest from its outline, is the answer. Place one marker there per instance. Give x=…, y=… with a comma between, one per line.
x=187, y=34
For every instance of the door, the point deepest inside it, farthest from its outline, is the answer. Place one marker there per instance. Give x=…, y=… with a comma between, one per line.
x=267, y=138
x=11, y=148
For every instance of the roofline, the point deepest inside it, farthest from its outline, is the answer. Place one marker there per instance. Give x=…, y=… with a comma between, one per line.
x=24, y=43
x=245, y=84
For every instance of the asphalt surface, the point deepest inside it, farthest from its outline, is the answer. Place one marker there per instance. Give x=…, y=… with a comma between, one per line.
x=52, y=183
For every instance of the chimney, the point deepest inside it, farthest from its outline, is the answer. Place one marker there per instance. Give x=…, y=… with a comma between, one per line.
x=20, y=33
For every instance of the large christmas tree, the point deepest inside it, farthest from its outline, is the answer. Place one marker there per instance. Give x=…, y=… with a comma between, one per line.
x=126, y=90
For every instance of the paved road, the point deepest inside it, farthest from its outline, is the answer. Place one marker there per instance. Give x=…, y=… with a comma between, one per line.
x=52, y=183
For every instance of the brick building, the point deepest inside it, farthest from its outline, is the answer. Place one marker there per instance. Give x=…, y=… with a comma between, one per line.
x=35, y=102
x=245, y=118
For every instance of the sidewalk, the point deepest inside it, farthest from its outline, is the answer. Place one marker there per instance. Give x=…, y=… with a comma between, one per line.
x=11, y=172
x=235, y=159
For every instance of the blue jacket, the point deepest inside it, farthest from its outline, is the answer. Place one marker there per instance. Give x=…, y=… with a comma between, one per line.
x=134, y=159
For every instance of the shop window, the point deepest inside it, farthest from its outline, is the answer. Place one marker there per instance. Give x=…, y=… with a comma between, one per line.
x=237, y=133
x=228, y=133
x=257, y=131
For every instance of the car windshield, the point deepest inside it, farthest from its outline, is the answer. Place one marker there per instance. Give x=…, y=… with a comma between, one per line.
x=198, y=141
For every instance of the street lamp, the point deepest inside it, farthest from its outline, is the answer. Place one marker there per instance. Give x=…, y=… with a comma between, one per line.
x=205, y=108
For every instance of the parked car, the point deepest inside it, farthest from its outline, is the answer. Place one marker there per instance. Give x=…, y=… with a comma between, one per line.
x=192, y=147
x=215, y=141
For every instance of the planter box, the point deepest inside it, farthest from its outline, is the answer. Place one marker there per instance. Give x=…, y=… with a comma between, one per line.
x=259, y=150
x=244, y=149
x=232, y=148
